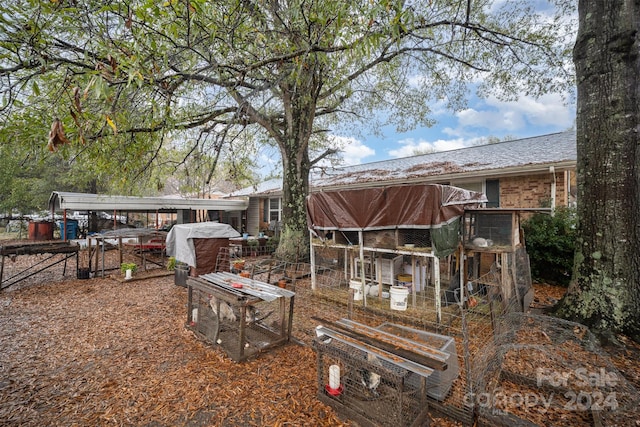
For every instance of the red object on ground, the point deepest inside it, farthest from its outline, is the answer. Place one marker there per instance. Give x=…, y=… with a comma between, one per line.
x=333, y=391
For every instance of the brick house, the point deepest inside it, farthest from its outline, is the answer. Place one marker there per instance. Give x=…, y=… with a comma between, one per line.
x=536, y=172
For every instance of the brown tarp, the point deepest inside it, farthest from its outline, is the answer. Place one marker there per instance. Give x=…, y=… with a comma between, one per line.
x=207, y=254
x=405, y=206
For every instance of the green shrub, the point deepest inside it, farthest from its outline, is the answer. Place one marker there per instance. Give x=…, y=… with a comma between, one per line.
x=272, y=244
x=128, y=266
x=550, y=244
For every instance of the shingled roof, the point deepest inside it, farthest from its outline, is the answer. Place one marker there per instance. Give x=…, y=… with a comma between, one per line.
x=527, y=155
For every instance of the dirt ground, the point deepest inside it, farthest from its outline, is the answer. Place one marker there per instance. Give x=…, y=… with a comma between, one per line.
x=108, y=352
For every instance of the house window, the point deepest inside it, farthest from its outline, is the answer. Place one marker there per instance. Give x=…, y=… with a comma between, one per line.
x=470, y=185
x=493, y=193
x=490, y=187
x=275, y=209
x=265, y=210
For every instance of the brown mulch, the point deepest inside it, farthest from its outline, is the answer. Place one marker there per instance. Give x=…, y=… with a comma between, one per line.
x=546, y=296
x=102, y=352
x=110, y=352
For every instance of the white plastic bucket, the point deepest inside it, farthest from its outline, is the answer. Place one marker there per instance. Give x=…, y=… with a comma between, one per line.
x=356, y=285
x=398, y=297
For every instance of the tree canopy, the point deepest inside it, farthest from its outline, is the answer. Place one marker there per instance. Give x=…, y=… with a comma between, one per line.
x=127, y=77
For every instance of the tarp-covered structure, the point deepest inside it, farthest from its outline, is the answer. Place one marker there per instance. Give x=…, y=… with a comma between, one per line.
x=198, y=244
x=423, y=206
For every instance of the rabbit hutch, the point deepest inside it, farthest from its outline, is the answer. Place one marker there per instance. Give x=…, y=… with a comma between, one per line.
x=496, y=262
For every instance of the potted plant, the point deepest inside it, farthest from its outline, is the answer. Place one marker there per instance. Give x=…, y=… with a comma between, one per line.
x=171, y=263
x=128, y=268
x=84, y=272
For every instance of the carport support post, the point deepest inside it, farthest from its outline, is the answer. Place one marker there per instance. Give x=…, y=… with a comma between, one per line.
x=1, y=271
x=64, y=225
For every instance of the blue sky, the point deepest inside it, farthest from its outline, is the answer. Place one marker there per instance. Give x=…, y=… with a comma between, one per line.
x=481, y=120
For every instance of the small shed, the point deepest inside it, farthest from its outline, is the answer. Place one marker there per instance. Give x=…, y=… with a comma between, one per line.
x=198, y=244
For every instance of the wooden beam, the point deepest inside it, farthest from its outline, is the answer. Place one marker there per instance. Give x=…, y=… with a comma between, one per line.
x=399, y=347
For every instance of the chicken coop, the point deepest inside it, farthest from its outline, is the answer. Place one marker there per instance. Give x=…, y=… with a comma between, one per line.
x=461, y=267
x=388, y=239
x=497, y=265
x=382, y=376
x=242, y=316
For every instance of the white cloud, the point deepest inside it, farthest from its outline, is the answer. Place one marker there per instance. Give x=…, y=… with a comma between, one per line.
x=546, y=111
x=502, y=119
x=410, y=146
x=500, y=116
x=353, y=151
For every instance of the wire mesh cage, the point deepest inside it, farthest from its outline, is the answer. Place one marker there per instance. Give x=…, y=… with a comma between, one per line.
x=243, y=325
x=370, y=391
x=420, y=238
x=545, y=370
x=466, y=327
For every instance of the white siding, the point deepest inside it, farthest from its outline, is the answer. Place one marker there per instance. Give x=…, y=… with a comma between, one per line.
x=253, y=216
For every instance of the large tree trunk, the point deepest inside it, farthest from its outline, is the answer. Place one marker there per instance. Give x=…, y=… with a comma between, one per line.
x=299, y=101
x=294, y=242
x=605, y=291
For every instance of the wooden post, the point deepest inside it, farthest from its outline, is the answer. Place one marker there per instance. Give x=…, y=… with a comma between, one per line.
x=312, y=259
x=362, y=269
x=436, y=284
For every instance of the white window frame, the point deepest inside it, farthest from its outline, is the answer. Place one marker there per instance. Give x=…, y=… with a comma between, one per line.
x=472, y=186
x=277, y=209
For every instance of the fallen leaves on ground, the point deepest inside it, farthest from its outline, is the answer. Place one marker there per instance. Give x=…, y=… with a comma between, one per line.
x=102, y=352
x=107, y=352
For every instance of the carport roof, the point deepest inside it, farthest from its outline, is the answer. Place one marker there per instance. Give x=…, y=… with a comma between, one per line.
x=99, y=202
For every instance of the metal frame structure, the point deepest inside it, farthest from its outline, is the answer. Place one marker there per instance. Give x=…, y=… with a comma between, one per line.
x=52, y=248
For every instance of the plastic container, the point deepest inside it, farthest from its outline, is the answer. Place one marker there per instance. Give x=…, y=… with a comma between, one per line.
x=398, y=297
x=72, y=229
x=84, y=273
x=405, y=280
x=356, y=285
x=181, y=272
x=439, y=383
x=41, y=230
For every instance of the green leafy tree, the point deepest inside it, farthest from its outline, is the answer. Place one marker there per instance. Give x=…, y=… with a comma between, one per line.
x=605, y=291
x=26, y=179
x=124, y=76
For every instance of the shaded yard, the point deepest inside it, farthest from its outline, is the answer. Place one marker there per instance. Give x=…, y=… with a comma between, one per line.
x=108, y=352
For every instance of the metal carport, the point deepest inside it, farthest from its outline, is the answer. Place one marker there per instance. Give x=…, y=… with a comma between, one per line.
x=63, y=201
